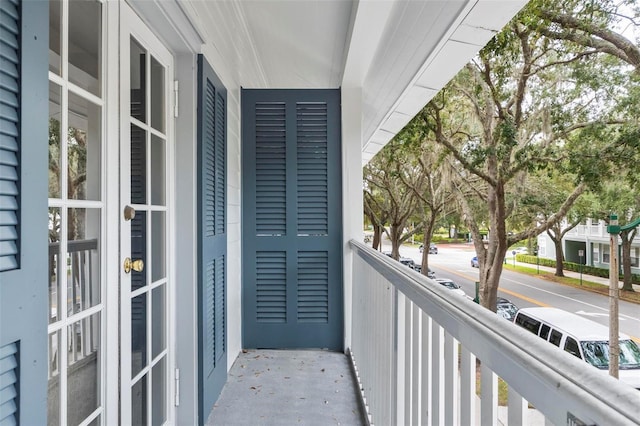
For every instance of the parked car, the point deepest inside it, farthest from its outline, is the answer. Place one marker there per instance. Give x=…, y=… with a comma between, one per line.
x=451, y=286
x=407, y=262
x=506, y=309
x=474, y=262
x=433, y=249
x=520, y=250
x=431, y=274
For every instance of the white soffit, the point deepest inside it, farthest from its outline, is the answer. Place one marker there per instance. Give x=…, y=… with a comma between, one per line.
x=446, y=64
x=475, y=22
x=414, y=99
x=300, y=44
x=395, y=122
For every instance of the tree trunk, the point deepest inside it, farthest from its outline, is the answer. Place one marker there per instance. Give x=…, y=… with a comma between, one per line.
x=377, y=237
x=494, y=253
x=396, y=232
x=627, y=282
x=429, y=224
x=559, y=257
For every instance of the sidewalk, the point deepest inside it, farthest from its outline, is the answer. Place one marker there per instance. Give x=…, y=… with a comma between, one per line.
x=590, y=278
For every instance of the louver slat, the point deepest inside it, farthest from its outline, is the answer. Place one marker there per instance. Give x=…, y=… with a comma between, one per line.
x=313, y=286
x=209, y=318
x=220, y=167
x=312, y=177
x=9, y=385
x=214, y=313
x=9, y=134
x=219, y=310
x=209, y=172
x=271, y=289
x=271, y=163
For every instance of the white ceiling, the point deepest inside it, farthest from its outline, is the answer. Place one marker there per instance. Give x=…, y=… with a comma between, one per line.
x=400, y=52
x=301, y=43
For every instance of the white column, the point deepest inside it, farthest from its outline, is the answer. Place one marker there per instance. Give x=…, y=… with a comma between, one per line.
x=352, y=207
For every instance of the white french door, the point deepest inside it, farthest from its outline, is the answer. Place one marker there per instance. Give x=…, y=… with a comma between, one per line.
x=110, y=162
x=146, y=146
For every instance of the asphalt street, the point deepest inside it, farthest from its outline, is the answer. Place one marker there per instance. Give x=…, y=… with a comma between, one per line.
x=454, y=262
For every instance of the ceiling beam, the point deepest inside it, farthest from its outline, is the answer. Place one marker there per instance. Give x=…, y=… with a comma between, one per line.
x=370, y=18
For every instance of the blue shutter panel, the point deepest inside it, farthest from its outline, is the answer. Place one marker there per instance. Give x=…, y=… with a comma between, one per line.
x=271, y=287
x=9, y=133
x=212, y=237
x=271, y=168
x=9, y=385
x=313, y=286
x=291, y=221
x=312, y=176
x=220, y=165
x=24, y=62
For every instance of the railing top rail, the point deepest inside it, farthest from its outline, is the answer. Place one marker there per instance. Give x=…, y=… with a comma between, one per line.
x=74, y=246
x=555, y=382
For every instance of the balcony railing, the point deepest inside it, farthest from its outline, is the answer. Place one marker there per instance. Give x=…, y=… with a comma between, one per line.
x=420, y=353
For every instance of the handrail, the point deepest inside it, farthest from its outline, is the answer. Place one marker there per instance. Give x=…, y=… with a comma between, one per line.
x=74, y=246
x=556, y=383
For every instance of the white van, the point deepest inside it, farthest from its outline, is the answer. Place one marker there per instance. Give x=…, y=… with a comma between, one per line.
x=582, y=338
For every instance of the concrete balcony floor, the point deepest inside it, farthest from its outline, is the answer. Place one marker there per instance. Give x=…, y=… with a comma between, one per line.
x=289, y=387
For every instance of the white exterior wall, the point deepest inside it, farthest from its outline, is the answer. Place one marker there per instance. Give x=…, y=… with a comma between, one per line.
x=230, y=53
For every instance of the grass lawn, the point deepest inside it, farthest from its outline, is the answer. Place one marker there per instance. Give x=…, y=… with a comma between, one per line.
x=629, y=296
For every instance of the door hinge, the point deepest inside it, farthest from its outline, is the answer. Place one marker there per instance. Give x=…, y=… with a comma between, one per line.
x=177, y=393
x=175, y=98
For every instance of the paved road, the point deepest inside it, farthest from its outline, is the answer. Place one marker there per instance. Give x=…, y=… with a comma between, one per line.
x=527, y=291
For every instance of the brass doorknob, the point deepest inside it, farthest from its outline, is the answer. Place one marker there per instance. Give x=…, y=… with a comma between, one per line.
x=129, y=213
x=136, y=265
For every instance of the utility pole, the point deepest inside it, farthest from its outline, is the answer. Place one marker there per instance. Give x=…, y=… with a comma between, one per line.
x=614, y=345
x=614, y=291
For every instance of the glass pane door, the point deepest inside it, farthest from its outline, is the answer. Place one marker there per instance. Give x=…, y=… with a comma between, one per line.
x=76, y=311
x=145, y=210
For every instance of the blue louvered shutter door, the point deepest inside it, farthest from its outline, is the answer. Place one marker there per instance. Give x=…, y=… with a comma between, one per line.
x=212, y=236
x=9, y=184
x=23, y=211
x=9, y=133
x=291, y=219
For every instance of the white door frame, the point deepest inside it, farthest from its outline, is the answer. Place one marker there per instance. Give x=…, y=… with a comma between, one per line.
x=111, y=373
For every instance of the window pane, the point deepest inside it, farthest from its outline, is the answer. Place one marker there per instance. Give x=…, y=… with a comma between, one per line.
x=83, y=259
x=139, y=248
x=53, y=388
x=85, y=44
x=84, y=149
x=158, y=316
x=158, y=171
x=157, y=95
x=55, y=133
x=138, y=81
x=55, y=53
x=139, y=403
x=159, y=380
x=56, y=268
x=84, y=378
x=138, y=165
x=138, y=333
x=158, y=245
